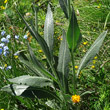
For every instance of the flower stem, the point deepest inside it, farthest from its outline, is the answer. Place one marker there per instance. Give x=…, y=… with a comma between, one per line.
x=73, y=72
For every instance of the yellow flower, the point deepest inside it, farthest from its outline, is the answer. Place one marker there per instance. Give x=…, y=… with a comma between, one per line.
x=84, y=50
x=95, y=57
x=41, y=33
x=16, y=56
x=5, y=1
x=94, y=61
x=85, y=43
x=40, y=51
x=92, y=66
x=98, y=6
x=2, y=109
x=5, y=65
x=75, y=98
x=59, y=38
x=2, y=7
x=76, y=67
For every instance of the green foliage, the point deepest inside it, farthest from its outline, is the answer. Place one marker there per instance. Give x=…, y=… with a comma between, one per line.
x=73, y=33
x=49, y=82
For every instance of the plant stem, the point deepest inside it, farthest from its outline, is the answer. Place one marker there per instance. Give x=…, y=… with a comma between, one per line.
x=69, y=9
x=73, y=72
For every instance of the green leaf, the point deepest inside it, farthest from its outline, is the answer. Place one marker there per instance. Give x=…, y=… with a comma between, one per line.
x=32, y=81
x=40, y=40
x=49, y=29
x=23, y=58
x=63, y=4
x=35, y=67
x=73, y=34
x=26, y=91
x=63, y=61
x=15, y=89
x=94, y=49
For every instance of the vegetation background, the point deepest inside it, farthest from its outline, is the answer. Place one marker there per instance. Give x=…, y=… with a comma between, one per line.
x=93, y=18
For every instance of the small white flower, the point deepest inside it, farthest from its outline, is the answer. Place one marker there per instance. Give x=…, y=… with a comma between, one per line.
x=2, y=45
x=8, y=36
x=25, y=37
x=5, y=48
x=16, y=37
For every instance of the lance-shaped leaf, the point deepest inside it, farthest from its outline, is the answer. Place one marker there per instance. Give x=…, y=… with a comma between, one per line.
x=94, y=49
x=73, y=34
x=63, y=4
x=26, y=91
x=63, y=61
x=32, y=81
x=49, y=29
x=35, y=67
x=40, y=40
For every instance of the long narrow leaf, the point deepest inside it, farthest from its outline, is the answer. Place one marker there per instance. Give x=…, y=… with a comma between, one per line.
x=36, y=68
x=94, y=49
x=63, y=4
x=49, y=29
x=40, y=40
x=63, y=61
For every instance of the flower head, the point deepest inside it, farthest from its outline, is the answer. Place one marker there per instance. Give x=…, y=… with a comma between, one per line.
x=2, y=44
x=92, y=66
x=5, y=65
x=8, y=67
x=5, y=48
x=75, y=98
x=25, y=37
x=5, y=40
x=76, y=67
x=0, y=51
x=2, y=7
x=3, y=33
x=85, y=43
x=16, y=55
x=8, y=36
x=95, y=57
x=5, y=1
x=40, y=51
x=16, y=37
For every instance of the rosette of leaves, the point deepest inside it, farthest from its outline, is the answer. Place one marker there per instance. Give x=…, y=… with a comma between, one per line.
x=52, y=83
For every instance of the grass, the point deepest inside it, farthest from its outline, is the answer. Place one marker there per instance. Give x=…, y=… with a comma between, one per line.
x=91, y=19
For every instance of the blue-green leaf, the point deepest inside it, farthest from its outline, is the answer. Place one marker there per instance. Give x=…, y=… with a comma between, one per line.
x=94, y=49
x=33, y=81
x=49, y=29
x=63, y=61
x=40, y=40
x=36, y=66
